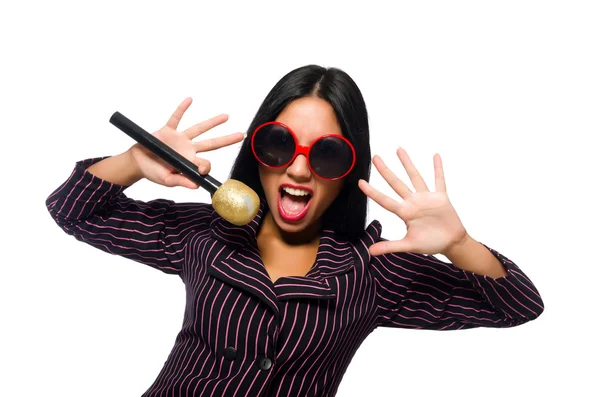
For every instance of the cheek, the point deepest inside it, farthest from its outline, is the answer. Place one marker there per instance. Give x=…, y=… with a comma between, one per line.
x=268, y=179
x=330, y=190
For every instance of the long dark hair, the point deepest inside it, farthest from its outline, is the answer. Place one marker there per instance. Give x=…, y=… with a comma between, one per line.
x=348, y=212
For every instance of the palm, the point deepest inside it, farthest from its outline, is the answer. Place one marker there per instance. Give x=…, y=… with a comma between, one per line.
x=176, y=141
x=432, y=225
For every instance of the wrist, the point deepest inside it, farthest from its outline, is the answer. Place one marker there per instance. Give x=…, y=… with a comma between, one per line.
x=459, y=245
x=131, y=166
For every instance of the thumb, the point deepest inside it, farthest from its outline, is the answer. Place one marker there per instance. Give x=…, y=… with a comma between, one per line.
x=386, y=247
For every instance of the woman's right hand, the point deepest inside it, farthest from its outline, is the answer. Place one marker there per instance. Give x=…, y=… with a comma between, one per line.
x=157, y=170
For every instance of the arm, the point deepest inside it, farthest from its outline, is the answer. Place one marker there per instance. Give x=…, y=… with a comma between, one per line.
x=118, y=170
x=421, y=291
x=97, y=212
x=480, y=288
x=473, y=256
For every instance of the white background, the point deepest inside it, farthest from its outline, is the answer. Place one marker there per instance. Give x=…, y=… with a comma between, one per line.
x=507, y=92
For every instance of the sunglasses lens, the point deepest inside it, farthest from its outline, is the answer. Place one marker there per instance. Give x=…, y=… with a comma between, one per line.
x=274, y=145
x=331, y=157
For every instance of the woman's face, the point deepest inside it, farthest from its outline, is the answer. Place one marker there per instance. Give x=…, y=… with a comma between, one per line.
x=286, y=188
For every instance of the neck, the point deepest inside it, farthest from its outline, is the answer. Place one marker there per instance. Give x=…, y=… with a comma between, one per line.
x=271, y=230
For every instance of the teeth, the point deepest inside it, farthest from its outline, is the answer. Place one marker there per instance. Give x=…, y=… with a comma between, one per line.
x=296, y=192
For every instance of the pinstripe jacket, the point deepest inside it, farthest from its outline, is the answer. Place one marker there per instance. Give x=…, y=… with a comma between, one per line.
x=244, y=335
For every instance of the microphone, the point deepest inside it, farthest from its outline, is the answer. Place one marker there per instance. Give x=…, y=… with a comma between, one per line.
x=233, y=200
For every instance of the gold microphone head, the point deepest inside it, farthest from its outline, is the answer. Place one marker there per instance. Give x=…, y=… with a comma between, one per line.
x=236, y=202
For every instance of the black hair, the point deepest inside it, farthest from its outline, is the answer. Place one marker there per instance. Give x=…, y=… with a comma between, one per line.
x=348, y=212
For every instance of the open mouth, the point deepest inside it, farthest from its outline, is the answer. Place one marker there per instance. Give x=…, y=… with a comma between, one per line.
x=293, y=202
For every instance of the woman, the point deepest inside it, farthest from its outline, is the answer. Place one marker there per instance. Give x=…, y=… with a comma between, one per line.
x=280, y=306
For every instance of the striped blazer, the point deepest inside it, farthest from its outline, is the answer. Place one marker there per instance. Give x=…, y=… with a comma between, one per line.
x=244, y=335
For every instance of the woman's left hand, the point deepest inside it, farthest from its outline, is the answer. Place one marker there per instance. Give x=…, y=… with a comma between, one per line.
x=432, y=224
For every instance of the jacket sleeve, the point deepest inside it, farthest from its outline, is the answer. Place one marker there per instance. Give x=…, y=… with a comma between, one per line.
x=421, y=291
x=99, y=213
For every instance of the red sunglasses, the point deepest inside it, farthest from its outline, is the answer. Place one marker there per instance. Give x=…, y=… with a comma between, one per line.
x=275, y=145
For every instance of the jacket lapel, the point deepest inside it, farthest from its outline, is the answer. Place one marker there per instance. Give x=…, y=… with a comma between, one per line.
x=334, y=258
x=241, y=269
x=240, y=264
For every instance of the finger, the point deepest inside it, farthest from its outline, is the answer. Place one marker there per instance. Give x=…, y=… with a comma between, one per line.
x=203, y=165
x=218, y=142
x=178, y=114
x=395, y=182
x=380, y=198
x=205, y=125
x=386, y=247
x=411, y=170
x=173, y=180
x=440, y=181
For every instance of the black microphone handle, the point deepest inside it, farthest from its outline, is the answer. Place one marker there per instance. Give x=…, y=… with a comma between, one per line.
x=163, y=151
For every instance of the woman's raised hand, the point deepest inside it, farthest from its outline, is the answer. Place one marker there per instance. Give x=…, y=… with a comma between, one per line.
x=433, y=226
x=157, y=170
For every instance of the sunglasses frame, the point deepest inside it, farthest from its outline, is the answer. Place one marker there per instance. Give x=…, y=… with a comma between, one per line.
x=304, y=150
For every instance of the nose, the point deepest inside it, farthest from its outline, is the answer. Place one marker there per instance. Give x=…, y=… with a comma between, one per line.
x=299, y=169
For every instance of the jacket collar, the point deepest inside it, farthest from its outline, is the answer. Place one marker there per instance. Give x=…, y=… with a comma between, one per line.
x=240, y=264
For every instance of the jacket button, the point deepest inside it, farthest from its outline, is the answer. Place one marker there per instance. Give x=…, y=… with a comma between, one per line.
x=229, y=353
x=264, y=363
